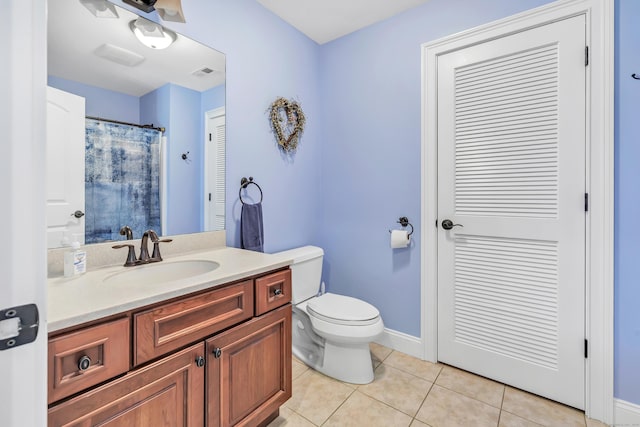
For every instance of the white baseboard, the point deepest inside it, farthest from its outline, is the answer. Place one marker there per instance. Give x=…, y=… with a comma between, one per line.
x=626, y=413
x=402, y=342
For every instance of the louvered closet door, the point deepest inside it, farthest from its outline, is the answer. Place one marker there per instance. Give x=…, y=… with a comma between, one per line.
x=511, y=171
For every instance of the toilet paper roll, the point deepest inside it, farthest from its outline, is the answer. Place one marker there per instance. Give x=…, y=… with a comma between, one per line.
x=400, y=238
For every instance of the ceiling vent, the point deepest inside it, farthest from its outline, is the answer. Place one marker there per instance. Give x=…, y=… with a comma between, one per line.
x=203, y=72
x=119, y=55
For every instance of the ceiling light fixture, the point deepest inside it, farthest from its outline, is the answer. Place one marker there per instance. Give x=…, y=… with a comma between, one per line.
x=170, y=10
x=151, y=34
x=100, y=8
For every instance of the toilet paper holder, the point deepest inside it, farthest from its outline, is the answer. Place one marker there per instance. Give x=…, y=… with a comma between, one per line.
x=404, y=221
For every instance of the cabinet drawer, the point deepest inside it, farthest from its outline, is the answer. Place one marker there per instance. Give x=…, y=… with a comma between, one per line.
x=169, y=392
x=81, y=359
x=173, y=325
x=273, y=291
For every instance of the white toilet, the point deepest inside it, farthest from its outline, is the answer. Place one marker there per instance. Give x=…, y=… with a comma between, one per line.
x=331, y=333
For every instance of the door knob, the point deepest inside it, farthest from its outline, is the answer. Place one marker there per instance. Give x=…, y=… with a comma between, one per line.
x=78, y=214
x=447, y=224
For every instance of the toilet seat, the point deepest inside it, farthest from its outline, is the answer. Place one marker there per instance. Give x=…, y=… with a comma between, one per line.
x=343, y=310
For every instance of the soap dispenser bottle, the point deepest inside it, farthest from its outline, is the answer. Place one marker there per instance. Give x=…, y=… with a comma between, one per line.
x=75, y=260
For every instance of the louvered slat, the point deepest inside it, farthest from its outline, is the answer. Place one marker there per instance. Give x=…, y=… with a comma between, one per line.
x=506, y=144
x=506, y=297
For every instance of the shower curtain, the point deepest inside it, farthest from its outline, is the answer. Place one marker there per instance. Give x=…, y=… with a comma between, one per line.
x=122, y=180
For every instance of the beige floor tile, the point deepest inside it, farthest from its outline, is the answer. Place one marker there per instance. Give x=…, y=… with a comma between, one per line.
x=416, y=423
x=446, y=408
x=297, y=368
x=397, y=388
x=361, y=410
x=510, y=420
x=378, y=353
x=594, y=423
x=316, y=396
x=414, y=366
x=288, y=418
x=471, y=385
x=540, y=410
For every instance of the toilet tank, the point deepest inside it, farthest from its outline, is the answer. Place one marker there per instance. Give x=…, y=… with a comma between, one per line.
x=306, y=271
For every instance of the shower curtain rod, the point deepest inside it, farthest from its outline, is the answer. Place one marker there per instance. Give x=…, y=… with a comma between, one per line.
x=161, y=129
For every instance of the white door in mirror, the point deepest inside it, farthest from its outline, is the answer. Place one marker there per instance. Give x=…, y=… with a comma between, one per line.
x=65, y=168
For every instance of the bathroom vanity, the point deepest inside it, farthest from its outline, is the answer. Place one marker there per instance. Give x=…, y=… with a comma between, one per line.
x=209, y=348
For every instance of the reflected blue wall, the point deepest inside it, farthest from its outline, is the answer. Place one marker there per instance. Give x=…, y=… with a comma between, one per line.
x=102, y=103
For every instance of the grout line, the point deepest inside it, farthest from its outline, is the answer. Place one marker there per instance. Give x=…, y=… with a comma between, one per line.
x=353, y=390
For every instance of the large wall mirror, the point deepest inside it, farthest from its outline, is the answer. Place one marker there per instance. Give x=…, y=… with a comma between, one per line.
x=135, y=129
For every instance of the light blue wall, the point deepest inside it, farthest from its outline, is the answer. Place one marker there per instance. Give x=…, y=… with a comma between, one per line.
x=100, y=102
x=185, y=192
x=212, y=98
x=371, y=151
x=178, y=109
x=266, y=58
x=627, y=202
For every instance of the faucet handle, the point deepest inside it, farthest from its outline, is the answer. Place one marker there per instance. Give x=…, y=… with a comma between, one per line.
x=156, y=249
x=131, y=255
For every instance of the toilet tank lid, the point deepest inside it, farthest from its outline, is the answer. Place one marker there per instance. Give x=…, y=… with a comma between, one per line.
x=301, y=254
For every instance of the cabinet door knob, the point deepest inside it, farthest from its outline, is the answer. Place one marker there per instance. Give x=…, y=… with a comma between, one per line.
x=217, y=352
x=199, y=361
x=277, y=292
x=84, y=363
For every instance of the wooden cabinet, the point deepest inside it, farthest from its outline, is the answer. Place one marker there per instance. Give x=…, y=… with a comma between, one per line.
x=169, y=326
x=166, y=393
x=87, y=357
x=235, y=369
x=249, y=370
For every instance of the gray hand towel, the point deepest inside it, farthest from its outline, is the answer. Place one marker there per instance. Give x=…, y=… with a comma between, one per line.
x=251, y=232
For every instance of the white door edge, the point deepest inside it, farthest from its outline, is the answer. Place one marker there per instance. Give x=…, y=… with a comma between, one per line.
x=599, y=233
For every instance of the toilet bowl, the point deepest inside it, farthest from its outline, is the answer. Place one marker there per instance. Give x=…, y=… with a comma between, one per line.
x=330, y=333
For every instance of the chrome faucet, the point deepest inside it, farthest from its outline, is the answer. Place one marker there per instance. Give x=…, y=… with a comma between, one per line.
x=144, y=257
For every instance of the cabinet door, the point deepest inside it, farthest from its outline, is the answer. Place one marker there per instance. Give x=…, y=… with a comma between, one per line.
x=167, y=393
x=249, y=370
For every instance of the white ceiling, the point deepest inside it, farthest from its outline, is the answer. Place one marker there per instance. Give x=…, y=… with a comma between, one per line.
x=326, y=20
x=74, y=34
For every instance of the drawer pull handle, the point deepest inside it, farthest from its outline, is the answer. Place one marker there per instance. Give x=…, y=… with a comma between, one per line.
x=84, y=363
x=217, y=353
x=278, y=292
x=199, y=361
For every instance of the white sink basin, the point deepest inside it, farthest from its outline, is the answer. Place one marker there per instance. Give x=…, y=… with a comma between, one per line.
x=161, y=272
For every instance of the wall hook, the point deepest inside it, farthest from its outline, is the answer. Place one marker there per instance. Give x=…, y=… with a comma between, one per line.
x=185, y=156
x=635, y=77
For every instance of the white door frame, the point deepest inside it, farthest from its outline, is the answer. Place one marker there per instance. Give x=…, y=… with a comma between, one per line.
x=599, y=183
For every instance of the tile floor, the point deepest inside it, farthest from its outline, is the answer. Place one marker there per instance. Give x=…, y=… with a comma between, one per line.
x=411, y=392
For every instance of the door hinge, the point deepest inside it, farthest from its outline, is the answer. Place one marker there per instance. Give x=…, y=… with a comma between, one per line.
x=209, y=137
x=586, y=56
x=586, y=202
x=436, y=223
x=586, y=348
x=209, y=196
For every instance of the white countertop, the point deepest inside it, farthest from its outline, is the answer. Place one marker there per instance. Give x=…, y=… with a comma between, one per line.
x=79, y=299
